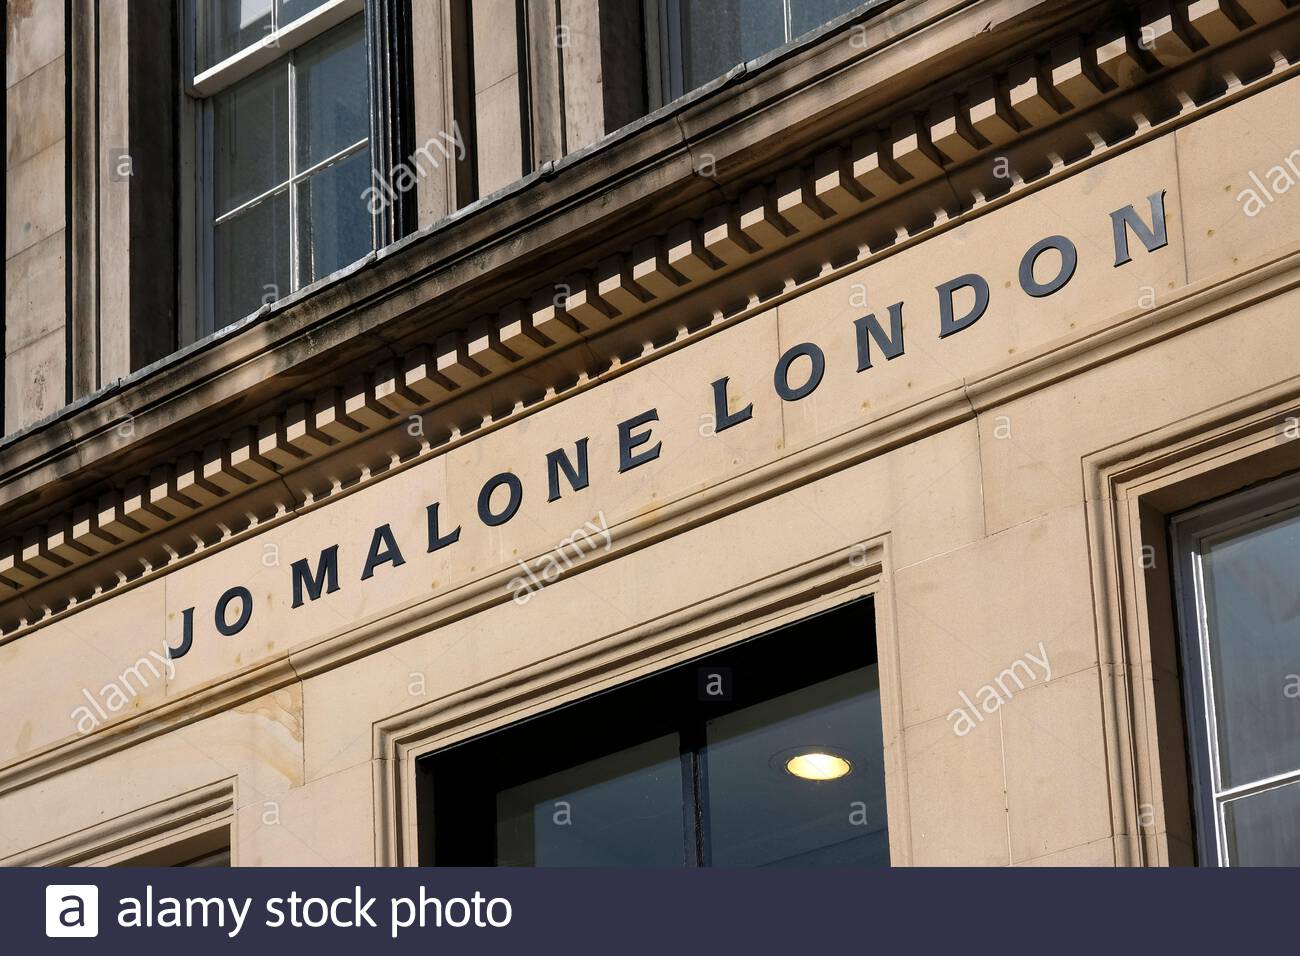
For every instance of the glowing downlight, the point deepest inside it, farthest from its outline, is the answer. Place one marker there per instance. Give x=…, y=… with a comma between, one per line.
x=816, y=765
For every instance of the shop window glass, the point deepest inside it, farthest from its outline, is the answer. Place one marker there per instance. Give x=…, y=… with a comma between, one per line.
x=769, y=753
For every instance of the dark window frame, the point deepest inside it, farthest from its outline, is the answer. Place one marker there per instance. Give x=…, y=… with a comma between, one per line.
x=628, y=714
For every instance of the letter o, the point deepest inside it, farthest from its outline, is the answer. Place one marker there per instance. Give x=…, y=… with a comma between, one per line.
x=781, y=378
x=504, y=902
x=246, y=611
x=511, y=481
x=1069, y=262
x=306, y=912
x=464, y=907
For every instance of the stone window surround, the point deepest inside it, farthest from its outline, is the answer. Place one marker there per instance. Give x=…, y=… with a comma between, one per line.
x=783, y=598
x=1132, y=490
x=193, y=485
x=166, y=833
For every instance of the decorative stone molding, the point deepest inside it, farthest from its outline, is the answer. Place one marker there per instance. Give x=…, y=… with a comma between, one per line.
x=1131, y=490
x=1069, y=93
x=791, y=594
x=181, y=820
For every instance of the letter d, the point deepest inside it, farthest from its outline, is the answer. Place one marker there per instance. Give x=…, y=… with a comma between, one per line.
x=947, y=324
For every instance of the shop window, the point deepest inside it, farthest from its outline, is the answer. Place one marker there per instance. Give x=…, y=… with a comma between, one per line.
x=768, y=753
x=700, y=40
x=1239, y=602
x=290, y=97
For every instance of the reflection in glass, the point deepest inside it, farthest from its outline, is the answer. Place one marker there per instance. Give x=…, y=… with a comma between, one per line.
x=1263, y=829
x=623, y=809
x=808, y=15
x=307, y=216
x=252, y=258
x=1252, y=608
x=718, y=34
x=289, y=10
x=696, y=765
x=334, y=224
x=251, y=130
x=760, y=814
x=333, y=100
x=228, y=26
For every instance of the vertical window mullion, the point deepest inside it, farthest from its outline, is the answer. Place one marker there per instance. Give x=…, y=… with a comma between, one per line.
x=208, y=215
x=388, y=54
x=295, y=275
x=701, y=777
x=695, y=792
x=690, y=824
x=1209, y=679
x=675, y=52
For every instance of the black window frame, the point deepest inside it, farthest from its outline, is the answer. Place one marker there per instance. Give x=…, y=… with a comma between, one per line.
x=456, y=819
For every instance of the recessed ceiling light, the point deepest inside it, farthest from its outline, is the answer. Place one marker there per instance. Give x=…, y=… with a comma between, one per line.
x=816, y=765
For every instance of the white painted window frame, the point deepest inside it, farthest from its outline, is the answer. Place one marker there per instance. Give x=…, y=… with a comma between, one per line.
x=281, y=41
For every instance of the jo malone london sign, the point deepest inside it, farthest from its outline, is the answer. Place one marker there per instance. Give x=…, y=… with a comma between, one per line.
x=797, y=374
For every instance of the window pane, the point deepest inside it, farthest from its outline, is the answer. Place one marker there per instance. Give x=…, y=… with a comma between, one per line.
x=335, y=227
x=806, y=15
x=289, y=10
x=227, y=26
x=761, y=814
x=251, y=129
x=1264, y=829
x=252, y=258
x=687, y=766
x=1252, y=607
x=718, y=34
x=332, y=93
x=624, y=809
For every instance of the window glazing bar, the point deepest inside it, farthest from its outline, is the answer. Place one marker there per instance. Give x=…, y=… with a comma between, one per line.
x=1259, y=786
x=297, y=178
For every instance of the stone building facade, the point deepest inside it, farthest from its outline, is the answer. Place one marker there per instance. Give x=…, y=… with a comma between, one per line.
x=499, y=431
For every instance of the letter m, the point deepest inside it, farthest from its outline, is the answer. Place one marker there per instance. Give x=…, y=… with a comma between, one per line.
x=1156, y=237
x=327, y=569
